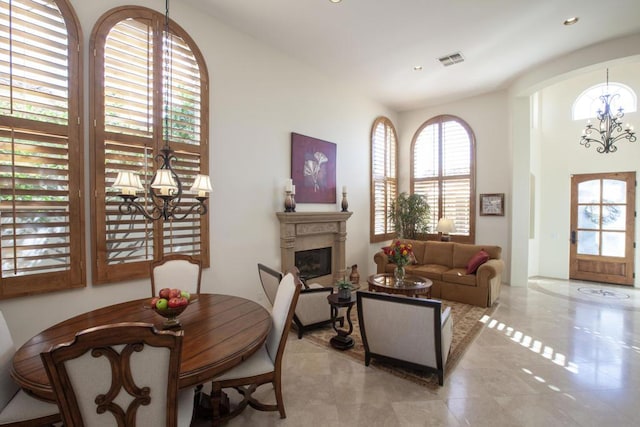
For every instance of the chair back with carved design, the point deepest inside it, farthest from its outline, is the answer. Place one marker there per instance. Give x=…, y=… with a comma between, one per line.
x=123, y=374
x=176, y=271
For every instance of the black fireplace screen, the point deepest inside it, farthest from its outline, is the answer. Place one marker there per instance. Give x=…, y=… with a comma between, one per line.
x=313, y=263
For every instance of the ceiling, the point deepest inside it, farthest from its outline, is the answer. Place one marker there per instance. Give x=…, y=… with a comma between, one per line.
x=373, y=45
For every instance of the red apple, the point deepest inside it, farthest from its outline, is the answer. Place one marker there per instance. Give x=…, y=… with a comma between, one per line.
x=153, y=301
x=174, y=302
x=183, y=301
x=174, y=293
x=164, y=293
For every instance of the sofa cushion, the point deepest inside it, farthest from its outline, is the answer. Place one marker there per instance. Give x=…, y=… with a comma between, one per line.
x=430, y=271
x=459, y=276
x=438, y=253
x=476, y=261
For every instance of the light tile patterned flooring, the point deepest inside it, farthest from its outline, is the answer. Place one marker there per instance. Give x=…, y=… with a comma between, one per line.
x=553, y=354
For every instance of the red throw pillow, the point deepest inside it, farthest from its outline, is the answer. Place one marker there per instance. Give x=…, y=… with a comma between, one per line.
x=476, y=261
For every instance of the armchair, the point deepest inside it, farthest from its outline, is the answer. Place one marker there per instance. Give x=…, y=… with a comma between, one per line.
x=312, y=310
x=410, y=332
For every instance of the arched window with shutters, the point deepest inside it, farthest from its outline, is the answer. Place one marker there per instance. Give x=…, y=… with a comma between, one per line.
x=127, y=83
x=443, y=170
x=384, y=178
x=41, y=148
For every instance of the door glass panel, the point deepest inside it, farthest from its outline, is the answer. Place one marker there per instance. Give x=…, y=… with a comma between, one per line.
x=613, y=244
x=614, y=217
x=588, y=243
x=589, y=191
x=589, y=217
x=615, y=191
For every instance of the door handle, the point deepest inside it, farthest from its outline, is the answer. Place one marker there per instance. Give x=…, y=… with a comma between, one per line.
x=573, y=237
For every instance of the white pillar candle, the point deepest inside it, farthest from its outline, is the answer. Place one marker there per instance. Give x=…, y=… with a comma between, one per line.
x=289, y=186
x=344, y=188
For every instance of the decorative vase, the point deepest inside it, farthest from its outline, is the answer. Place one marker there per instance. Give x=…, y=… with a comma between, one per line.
x=344, y=293
x=399, y=273
x=354, y=277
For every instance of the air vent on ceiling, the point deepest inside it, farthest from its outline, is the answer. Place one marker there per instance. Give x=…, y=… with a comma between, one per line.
x=454, y=58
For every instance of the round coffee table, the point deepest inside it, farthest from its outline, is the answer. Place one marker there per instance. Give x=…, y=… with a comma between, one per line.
x=411, y=285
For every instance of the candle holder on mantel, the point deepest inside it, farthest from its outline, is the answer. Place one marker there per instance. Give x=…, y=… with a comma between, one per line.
x=293, y=200
x=345, y=204
x=289, y=205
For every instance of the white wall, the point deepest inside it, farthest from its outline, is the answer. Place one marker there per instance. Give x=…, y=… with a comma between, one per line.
x=258, y=97
x=487, y=117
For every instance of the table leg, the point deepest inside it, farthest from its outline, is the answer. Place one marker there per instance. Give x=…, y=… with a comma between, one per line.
x=342, y=341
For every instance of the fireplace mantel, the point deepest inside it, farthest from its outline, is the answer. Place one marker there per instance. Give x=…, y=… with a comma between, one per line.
x=301, y=231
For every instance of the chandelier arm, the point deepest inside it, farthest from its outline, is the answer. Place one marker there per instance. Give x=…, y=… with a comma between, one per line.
x=129, y=206
x=199, y=207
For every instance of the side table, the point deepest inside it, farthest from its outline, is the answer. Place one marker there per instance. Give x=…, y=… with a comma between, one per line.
x=342, y=341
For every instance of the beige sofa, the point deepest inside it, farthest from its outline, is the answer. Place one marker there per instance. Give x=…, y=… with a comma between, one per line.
x=445, y=264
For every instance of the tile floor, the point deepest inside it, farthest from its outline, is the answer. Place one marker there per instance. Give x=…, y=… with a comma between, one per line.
x=553, y=354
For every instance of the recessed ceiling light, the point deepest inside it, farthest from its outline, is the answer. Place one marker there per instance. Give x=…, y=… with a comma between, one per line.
x=335, y=1
x=417, y=68
x=571, y=21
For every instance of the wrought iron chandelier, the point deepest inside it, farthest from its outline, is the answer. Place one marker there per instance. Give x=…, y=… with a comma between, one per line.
x=610, y=130
x=165, y=191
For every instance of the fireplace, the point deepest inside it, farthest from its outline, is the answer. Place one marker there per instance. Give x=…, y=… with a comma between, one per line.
x=303, y=232
x=313, y=263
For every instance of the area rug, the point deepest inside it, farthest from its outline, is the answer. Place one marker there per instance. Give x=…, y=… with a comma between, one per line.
x=468, y=321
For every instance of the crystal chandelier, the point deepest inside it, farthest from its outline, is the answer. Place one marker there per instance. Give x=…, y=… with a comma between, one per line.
x=165, y=191
x=610, y=130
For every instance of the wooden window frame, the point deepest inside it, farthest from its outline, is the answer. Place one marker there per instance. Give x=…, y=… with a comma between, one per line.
x=74, y=275
x=103, y=272
x=441, y=179
x=389, y=145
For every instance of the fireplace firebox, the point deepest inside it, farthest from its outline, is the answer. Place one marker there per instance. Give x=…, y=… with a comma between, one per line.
x=313, y=262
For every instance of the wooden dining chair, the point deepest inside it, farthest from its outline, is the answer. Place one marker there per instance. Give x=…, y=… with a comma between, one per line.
x=16, y=407
x=265, y=365
x=176, y=271
x=123, y=374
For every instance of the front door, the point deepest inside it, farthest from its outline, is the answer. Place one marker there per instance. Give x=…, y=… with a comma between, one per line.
x=602, y=227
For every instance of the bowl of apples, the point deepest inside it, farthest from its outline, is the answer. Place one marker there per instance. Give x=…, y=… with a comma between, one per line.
x=170, y=303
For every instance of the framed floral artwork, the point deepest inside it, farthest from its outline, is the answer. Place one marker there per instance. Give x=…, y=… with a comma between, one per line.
x=492, y=204
x=313, y=169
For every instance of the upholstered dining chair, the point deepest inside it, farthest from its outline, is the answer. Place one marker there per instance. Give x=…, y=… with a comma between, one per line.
x=411, y=332
x=122, y=374
x=265, y=365
x=312, y=309
x=16, y=407
x=176, y=271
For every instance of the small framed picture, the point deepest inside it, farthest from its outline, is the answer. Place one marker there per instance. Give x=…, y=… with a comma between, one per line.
x=492, y=204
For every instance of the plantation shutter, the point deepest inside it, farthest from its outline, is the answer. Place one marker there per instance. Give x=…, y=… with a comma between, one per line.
x=41, y=220
x=383, y=178
x=443, y=172
x=130, y=131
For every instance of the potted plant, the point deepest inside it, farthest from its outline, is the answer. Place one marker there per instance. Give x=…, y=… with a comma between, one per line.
x=410, y=215
x=344, y=289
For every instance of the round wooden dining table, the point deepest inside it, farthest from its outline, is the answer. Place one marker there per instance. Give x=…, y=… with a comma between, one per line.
x=220, y=331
